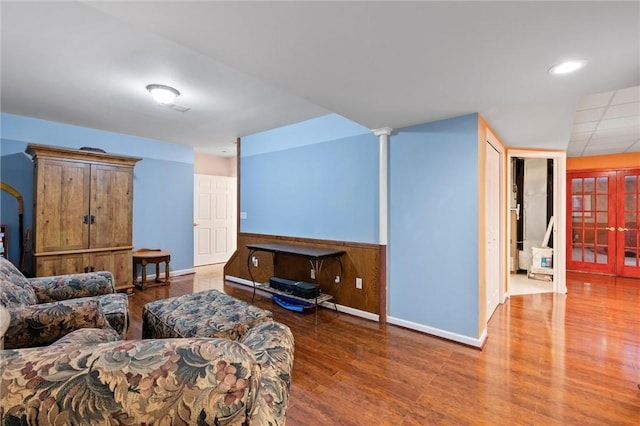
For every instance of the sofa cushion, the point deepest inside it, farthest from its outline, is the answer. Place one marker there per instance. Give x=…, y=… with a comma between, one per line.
x=151, y=382
x=87, y=336
x=14, y=287
x=43, y=324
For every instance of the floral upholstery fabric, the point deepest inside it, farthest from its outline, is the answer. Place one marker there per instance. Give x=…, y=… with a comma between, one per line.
x=209, y=313
x=16, y=291
x=273, y=345
x=155, y=382
x=89, y=335
x=116, y=309
x=72, y=286
x=14, y=287
x=43, y=324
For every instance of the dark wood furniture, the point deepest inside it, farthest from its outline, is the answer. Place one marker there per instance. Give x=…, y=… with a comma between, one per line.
x=83, y=212
x=143, y=257
x=315, y=256
x=4, y=245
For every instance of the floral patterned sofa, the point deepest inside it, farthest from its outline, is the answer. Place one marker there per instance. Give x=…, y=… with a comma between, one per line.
x=42, y=310
x=90, y=377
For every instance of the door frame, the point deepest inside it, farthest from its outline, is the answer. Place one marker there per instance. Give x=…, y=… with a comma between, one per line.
x=559, y=210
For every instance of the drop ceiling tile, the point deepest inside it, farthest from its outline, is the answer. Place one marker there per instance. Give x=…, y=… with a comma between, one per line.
x=635, y=147
x=614, y=142
x=600, y=150
x=629, y=131
x=587, y=115
x=584, y=127
x=619, y=122
x=594, y=101
x=631, y=94
x=578, y=144
x=580, y=137
x=623, y=110
x=574, y=153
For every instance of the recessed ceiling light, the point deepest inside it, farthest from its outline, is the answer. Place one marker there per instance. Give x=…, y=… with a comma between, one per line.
x=567, y=67
x=163, y=94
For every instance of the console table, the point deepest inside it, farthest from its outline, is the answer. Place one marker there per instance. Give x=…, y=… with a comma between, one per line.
x=315, y=256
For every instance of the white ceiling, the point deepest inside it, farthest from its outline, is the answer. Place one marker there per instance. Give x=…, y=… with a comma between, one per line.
x=245, y=67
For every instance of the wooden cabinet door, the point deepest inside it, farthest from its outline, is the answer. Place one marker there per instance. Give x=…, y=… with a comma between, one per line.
x=119, y=263
x=628, y=224
x=111, y=206
x=63, y=264
x=61, y=204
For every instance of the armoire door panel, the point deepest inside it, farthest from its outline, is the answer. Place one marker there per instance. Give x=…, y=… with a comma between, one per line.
x=63, y=264
x=61, y=205
x=119, y=263
x=111, y=206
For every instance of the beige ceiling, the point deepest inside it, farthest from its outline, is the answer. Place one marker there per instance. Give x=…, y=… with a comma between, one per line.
x=245, y=67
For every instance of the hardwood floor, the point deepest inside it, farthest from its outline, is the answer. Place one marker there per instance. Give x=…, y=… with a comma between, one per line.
x=549, y=359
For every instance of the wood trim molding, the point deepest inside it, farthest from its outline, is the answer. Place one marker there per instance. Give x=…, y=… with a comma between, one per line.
x=361, y=260
x=36, y=151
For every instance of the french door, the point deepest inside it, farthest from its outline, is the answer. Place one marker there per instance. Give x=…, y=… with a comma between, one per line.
x=603, y=217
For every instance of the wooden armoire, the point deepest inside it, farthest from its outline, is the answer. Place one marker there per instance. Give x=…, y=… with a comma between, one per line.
x=83, y=212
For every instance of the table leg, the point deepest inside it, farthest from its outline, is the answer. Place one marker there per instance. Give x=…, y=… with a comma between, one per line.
x=166, y=271
x=144, y=273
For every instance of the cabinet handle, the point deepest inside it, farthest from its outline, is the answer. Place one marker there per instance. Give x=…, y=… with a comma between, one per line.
x=86, y=219
x=86, y=269
x=621, y=229
x=89, y=220
x=92, y=269
x=610, y=228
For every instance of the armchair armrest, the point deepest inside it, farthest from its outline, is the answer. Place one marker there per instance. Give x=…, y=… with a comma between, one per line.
x=43, y=324
x=72, y=286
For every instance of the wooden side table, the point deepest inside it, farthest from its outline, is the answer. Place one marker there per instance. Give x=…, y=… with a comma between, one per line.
x=143, y=257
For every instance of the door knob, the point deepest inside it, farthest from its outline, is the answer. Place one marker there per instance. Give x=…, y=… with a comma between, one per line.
x=195, y=224
x=621, y=229
x=610, y=228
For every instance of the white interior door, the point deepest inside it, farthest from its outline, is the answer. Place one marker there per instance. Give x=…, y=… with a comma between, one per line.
x=215, y=219
x=492, y=228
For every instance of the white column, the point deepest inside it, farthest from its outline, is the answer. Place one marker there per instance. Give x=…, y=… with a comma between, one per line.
x=383, y=173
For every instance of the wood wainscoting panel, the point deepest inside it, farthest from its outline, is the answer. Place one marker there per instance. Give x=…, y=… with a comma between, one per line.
x=361, y=260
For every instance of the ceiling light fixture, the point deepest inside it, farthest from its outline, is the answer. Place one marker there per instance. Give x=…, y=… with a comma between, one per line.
x=567, y=67
x=163, y=94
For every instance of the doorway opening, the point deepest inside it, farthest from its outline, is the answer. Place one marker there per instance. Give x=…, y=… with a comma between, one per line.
x=537, y=221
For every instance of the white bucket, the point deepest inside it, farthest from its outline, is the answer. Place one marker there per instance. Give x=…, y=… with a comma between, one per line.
x=542, y=257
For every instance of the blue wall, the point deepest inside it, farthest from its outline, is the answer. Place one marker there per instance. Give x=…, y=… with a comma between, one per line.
x=163, y=181
x=433, y=225
x=315, y=179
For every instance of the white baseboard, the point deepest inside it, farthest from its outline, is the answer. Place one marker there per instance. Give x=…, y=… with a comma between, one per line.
x=329, y=305
x=471, y=341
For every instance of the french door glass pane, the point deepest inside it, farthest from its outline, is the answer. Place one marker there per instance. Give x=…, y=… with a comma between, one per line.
x=590, y=218
x=631, y=212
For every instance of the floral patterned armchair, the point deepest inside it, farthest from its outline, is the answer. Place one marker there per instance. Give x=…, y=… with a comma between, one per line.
x=91, y=377
x=42, y=310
